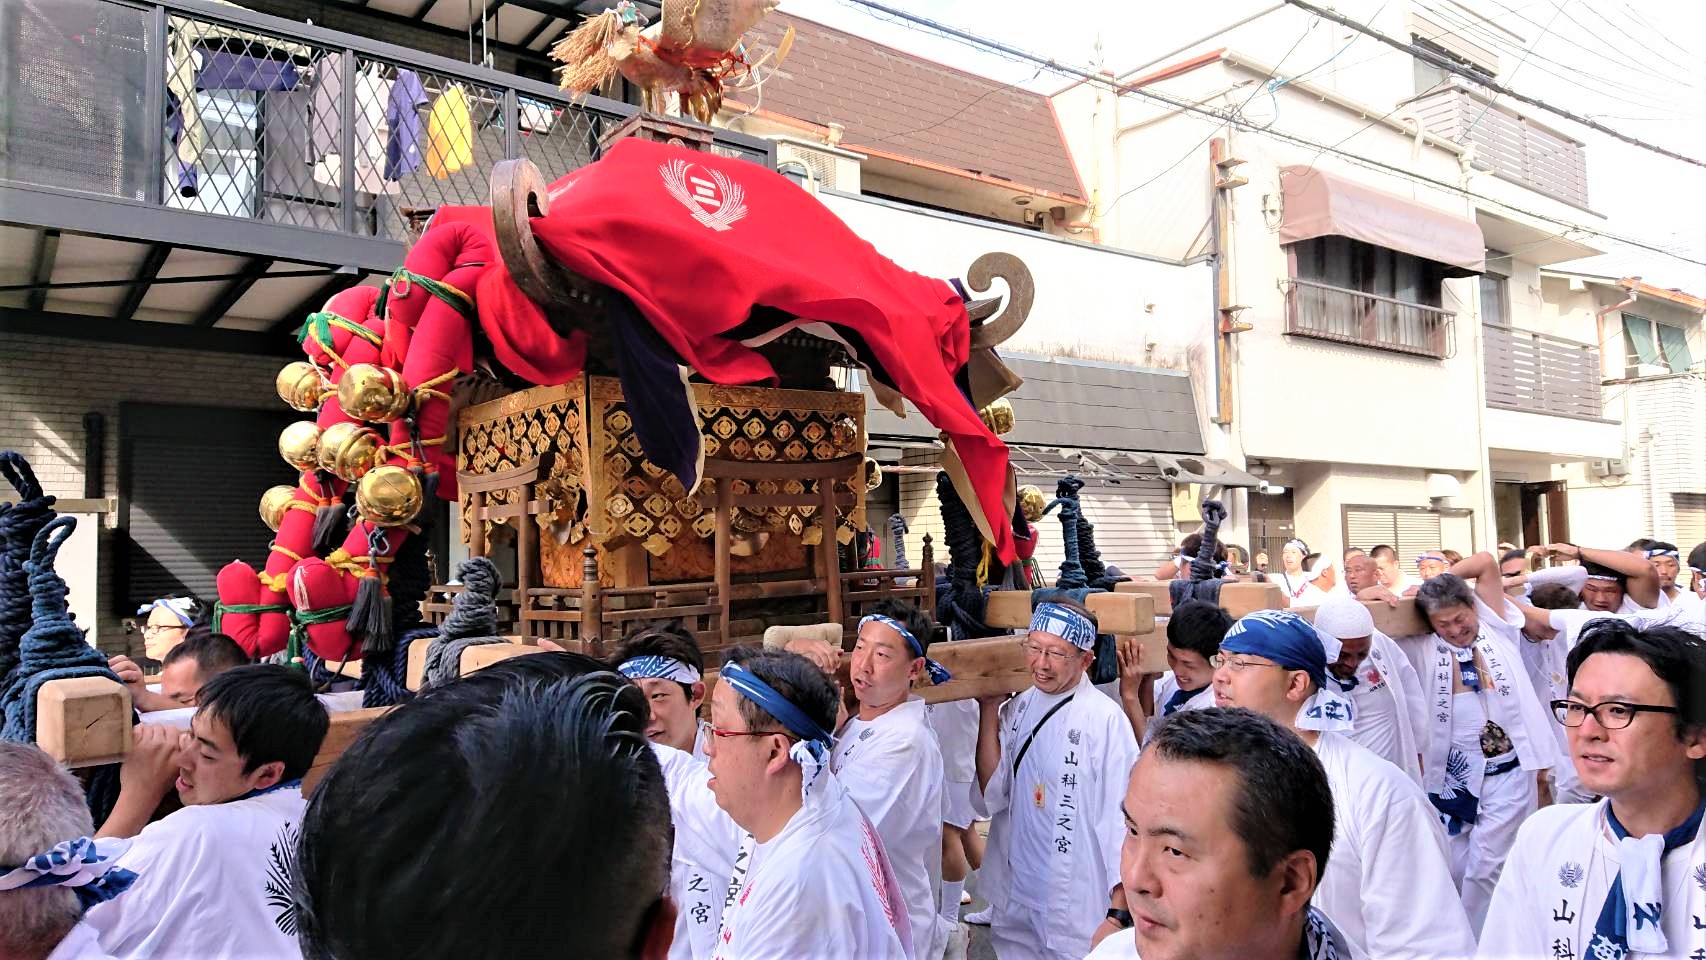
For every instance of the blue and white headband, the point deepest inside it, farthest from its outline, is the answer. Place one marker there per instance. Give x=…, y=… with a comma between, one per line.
x=1064, y=622
x=811, y=751
x=76, y=864
x=659, y=667
x=181, y=607
x=1663, y=553
x=938, y=673
x=1293, y=642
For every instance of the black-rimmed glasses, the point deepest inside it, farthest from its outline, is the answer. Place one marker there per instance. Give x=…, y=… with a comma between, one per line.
x=1610, y=714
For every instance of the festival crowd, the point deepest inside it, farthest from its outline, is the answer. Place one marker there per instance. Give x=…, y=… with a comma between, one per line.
x=1524, y=781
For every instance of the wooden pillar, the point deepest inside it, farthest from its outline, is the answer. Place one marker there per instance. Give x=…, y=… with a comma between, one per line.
x=526, y=558
x=927, y=573
x=725, y=520
x=476, y=523
x=592, y=604
x=830, y=548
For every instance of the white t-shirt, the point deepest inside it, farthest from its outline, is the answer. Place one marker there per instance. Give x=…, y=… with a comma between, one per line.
x=702, y=858
x=212, y=883
x=955, y=726
x=80, y=944
x=892, y=769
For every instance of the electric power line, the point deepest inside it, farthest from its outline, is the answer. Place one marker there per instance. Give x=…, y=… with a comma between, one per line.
x=1452, y=66
x=987, y=45
x=1525, y=55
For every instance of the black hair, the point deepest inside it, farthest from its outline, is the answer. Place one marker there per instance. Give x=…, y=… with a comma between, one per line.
x=671, y=639
x=1510, y=555
x=214, y=653
x=1697, y=557
x=537, y=760
x=1191, y=544
x=796, y=679
x=1446, y=590
x=1598, y=571
x=1199, y=627
x=271, y=712
x=1641, y=543
x=1381, y=551
x=917, y=621
x=1554, y=596
x=1283, y=804
x=1675, y=655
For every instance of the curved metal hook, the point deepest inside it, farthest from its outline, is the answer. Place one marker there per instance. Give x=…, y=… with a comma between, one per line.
x=1021, y=290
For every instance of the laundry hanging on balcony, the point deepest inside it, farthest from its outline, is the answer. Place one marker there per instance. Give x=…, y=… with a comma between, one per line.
x=372, y=98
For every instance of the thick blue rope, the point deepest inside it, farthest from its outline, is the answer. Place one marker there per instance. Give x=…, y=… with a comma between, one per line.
x=19, y=523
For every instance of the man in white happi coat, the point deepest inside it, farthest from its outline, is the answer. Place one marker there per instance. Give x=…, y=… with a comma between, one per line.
x=1487, y=741
x=1388, y=885
x=1667, y=563
x=50, y=869
x=1194, y=632
x=1610, y=581
x=664, y=661
x=539, y=760
x=888, y=760
x=1051, y=766
x=1621, y=877
x=212, y=879
x=1228, y=820
x=811, y=878
x=1391, y=712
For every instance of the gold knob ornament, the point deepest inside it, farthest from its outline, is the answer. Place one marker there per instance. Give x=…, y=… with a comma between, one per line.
x=873, y=474
x=349, y=450
x=299, y=444
x=389, y=496
x=998, y=416
x=1031, y=503
x=274, y=503
x=374, y=393
x=301, y=386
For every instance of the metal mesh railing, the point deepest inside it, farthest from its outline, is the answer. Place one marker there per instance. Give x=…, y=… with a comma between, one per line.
x=272, y=121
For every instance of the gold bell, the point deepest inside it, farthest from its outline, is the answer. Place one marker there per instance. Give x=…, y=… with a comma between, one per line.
x=299, y=444
x=843, y=432
x=300, y=386
x=873, y=474
x=388, y=496
x=1031, y=503
x=349, y=450
x=374, y=393
x=273, y=505
x=998, y=416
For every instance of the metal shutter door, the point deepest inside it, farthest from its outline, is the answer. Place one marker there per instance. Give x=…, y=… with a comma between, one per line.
x=192, y=477
x=1417, y=534
x=1367, y=529
x=1690, y=521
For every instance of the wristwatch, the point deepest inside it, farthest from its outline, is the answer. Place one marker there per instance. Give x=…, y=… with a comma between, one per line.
x=1120, y=917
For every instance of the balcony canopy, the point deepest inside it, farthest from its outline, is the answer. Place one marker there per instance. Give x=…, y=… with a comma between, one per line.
x=1320, y=204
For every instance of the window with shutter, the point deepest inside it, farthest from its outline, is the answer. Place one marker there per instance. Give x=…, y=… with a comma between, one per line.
x=1370, y=527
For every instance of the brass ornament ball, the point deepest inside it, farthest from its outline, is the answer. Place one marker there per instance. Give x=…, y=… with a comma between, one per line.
x=873, y=474
x=274, y=503
x=299, y=445
x=301, y=387
x=998, y=416
x=1032, y=502
x=389, y=496
x=373, y=393
x=350, y=450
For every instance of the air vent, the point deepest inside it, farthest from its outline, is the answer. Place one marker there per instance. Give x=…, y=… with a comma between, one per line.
x=822, y=165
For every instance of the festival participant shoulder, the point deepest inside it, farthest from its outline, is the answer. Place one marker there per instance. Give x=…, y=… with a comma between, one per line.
x=820, y=888
x=1552, y=900
x=703, y=854
x=892, y=768
x=213, y=883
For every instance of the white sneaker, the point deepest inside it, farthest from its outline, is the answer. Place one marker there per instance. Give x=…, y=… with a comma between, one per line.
x=958, y=943
x=981, y=917
x=965, y=898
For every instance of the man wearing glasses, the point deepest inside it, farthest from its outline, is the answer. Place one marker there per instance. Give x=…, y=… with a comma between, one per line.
x=1388, y=884
x=1052, y=766
x=1622, y=877
x=811, y=878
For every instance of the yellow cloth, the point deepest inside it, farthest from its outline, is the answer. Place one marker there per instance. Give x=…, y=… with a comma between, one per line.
x=450, y=134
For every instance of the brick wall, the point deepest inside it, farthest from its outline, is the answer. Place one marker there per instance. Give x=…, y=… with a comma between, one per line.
x=48, y=384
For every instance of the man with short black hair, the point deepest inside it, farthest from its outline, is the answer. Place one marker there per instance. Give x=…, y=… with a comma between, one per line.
x=1513, y=571
x=1228, y=819
x=1194, y=632
x=1619, y=878
x=201, y=656
x=1051, y=765
x=1389, y=886
x=890, y=763
x=1390, y=572
x=811, y=877
x=513, y=808
x=212, y=876
x=1667, y=563
x=664, y=661
x=1609, y=581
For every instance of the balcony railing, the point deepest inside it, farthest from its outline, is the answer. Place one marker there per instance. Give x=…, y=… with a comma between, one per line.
x=1512, y=146
x=1325, y=312
x=1539, y=373
x=198, y=106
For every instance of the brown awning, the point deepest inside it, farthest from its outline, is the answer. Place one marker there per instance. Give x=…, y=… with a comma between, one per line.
x=1319, y=204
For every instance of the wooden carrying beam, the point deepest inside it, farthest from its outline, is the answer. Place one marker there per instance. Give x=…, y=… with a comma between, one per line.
x=1403, y=620
x=84, y=721
x=1238, y=598
x=473, y=658
x=1121, y=614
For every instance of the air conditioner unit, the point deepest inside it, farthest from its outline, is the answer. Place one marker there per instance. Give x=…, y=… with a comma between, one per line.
x=821, y=164
x=1600, y=469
